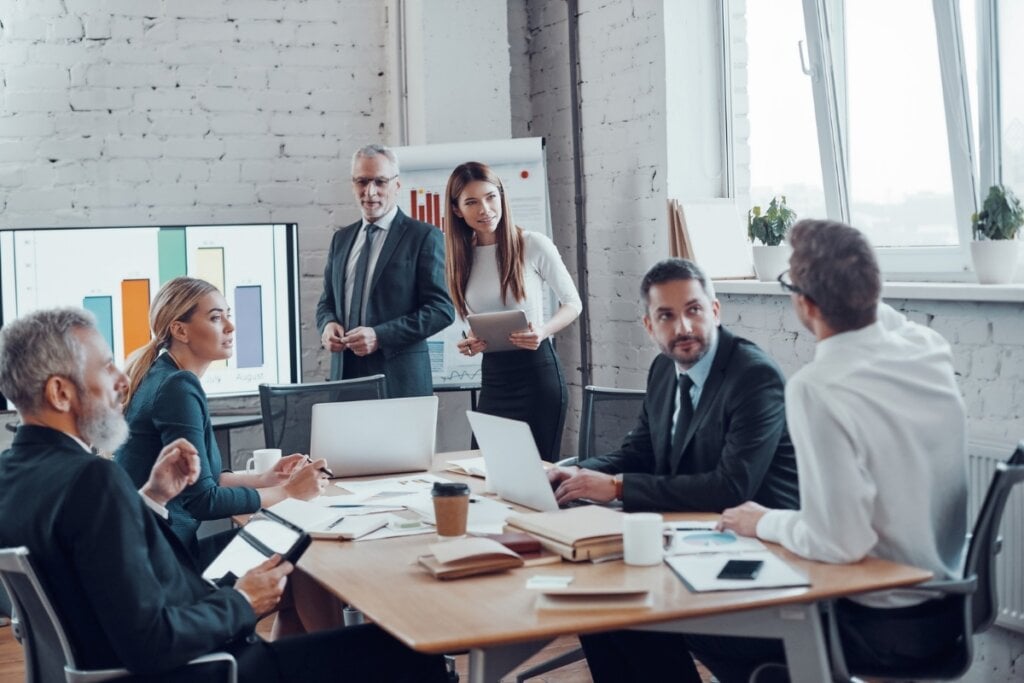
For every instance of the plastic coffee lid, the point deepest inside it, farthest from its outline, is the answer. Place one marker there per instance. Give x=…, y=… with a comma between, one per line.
x=449, y=489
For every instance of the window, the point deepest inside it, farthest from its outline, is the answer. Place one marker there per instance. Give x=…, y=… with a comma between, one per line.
x=1010, y=25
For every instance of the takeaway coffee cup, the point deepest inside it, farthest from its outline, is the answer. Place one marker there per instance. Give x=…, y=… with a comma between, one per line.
x=451, y=509
x=642, y=538
x=263, y=460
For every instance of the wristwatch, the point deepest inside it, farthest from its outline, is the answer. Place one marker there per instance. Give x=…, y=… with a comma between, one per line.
x=617, y=482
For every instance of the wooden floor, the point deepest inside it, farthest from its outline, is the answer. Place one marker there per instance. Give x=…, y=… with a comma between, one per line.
x=12, y=667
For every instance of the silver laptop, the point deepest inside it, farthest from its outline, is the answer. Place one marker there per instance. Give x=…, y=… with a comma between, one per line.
x=381, y=436
x=514, y=469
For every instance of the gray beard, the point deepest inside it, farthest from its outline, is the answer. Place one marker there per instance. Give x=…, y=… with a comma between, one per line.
x=104, y=429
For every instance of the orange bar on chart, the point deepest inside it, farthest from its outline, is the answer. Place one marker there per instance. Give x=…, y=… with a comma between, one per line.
x=134, y=314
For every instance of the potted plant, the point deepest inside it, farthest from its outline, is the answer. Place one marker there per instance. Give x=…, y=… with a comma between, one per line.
x=995, y=249
x=771, y=257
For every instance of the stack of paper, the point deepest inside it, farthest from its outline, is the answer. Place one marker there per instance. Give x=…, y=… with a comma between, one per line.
x=325, y=522
x=585, y=599
x=590, y=532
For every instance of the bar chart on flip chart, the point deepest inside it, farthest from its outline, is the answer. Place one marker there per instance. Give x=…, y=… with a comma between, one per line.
x=115, y=272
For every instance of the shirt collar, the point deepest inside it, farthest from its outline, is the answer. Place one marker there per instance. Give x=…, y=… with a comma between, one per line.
x=384, y=222
x=702, y=368
x=840, y=343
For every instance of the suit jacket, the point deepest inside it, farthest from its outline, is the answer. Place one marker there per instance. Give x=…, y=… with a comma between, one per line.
x=123, y=585
x=736, y=447
x=407, y=302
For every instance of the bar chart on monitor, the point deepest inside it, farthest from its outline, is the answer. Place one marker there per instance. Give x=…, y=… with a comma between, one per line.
x=115, y=272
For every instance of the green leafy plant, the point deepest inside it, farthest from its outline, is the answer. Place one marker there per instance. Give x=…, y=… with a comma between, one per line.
x=1001, y=216
x=770, y=228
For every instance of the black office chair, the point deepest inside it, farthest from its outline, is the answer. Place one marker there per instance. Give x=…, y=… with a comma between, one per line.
x=608, y=414
x=288, y=408
x=49, y=655
x=974, y=600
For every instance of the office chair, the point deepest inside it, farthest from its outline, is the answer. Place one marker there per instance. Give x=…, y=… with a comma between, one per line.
x=974, y=599
x=49, y=655
x=288, y=408
x=608, y=414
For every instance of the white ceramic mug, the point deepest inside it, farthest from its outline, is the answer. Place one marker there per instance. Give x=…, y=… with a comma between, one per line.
x=263, y=460
x=643, y=538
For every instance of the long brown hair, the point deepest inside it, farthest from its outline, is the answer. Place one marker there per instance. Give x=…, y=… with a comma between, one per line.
x=175, y=301
x=459, y=239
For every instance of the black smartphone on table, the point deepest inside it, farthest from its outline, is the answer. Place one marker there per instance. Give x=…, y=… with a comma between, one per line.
x=741, y=569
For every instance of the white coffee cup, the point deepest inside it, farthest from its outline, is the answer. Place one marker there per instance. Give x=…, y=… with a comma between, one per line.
x=263, y=460
x=643, y=538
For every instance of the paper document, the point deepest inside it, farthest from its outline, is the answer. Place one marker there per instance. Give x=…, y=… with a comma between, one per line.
x=697, y=541
x=326, y=522
x=700, y=572
x=472, y=466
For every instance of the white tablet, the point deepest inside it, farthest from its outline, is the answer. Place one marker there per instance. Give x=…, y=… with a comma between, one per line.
x=494, y=328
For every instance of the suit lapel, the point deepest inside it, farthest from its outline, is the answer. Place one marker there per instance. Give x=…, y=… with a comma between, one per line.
x=712, y=386
x=394, y=236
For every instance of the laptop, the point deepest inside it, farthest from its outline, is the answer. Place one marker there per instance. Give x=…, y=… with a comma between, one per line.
x=381, y=436
x=514, y=469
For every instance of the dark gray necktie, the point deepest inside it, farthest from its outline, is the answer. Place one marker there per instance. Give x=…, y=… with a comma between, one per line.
x=683, y=384
x=355, y=310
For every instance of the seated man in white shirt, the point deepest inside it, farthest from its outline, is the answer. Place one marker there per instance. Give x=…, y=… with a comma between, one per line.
x=879, y=429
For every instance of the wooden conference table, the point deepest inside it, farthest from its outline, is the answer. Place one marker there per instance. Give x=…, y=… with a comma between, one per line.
x=493, y=616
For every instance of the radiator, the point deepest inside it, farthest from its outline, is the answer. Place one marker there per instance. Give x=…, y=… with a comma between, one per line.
x=1010, y=563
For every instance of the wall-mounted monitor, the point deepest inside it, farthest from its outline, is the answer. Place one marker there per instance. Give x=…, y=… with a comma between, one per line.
x=115, y=272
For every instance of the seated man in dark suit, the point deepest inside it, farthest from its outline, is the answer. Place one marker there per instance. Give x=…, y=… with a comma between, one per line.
x=122, y=584
x=711, y=434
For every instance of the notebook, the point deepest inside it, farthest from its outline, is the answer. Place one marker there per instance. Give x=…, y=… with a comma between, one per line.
x=381, y=436
x=514, y=469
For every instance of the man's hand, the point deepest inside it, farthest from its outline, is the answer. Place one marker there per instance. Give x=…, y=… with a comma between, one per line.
x=362, y=341
x=528, y=339
x=331, y=339
x=596, y=486
x=176, y=467
x=264, y=584
x=556, y=475
x=743, y=519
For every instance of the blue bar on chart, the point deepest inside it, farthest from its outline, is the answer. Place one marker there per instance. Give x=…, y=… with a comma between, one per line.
x=249, y=326
x=103, y=308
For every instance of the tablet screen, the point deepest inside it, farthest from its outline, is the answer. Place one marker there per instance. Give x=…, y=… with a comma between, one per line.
x=264, y=535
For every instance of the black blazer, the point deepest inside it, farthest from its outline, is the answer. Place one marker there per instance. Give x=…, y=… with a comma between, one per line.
x=123, y=585
x=736, y=447
x=408, y=301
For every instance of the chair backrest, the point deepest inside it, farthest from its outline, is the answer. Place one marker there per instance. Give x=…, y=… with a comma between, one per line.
x=608, y=415
x=287, y=408
x=985, y=542
x=47, y=649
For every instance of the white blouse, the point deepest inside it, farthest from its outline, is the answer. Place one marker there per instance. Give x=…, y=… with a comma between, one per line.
x=543, y=264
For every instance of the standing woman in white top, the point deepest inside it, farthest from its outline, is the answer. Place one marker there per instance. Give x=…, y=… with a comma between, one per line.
x=494, y=265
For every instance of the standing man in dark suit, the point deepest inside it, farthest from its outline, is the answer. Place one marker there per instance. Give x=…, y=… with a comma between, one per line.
x=711, y=434
x=121, y=582
x=384, y=289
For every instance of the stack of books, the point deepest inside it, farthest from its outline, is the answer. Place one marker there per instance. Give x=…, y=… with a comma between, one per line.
x=590, y=532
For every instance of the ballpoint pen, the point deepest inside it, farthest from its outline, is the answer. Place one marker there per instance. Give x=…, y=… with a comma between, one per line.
x=322, y=469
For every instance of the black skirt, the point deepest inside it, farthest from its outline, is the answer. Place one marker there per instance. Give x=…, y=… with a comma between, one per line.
x=527, y=386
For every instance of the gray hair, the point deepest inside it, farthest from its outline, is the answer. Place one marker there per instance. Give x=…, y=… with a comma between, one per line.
x=38, y=346
x=374, y=150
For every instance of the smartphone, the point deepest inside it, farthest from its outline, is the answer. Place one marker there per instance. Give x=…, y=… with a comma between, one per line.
x=740, y=569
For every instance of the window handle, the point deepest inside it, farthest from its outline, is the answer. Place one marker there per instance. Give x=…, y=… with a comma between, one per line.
x=804, y=59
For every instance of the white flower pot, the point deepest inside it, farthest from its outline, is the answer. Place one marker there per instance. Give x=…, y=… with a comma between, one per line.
x=995, y=260
x=770, y=261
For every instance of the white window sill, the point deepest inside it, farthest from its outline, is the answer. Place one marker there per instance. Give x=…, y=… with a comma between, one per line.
x=933, y=291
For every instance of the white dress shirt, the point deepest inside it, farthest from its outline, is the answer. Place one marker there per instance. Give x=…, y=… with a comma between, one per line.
x=542, y=265
x=880, y=434
x=384, y=223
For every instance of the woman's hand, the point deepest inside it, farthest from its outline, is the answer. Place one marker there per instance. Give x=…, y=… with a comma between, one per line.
x=470, y=346
x=282, y=470
x=529, y=338
x=308, y=481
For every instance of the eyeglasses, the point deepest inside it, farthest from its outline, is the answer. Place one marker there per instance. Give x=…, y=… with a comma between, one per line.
x=789, y=286
x=380, y=182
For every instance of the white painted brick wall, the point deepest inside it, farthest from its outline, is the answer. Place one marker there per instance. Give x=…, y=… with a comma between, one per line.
x=144, y=112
